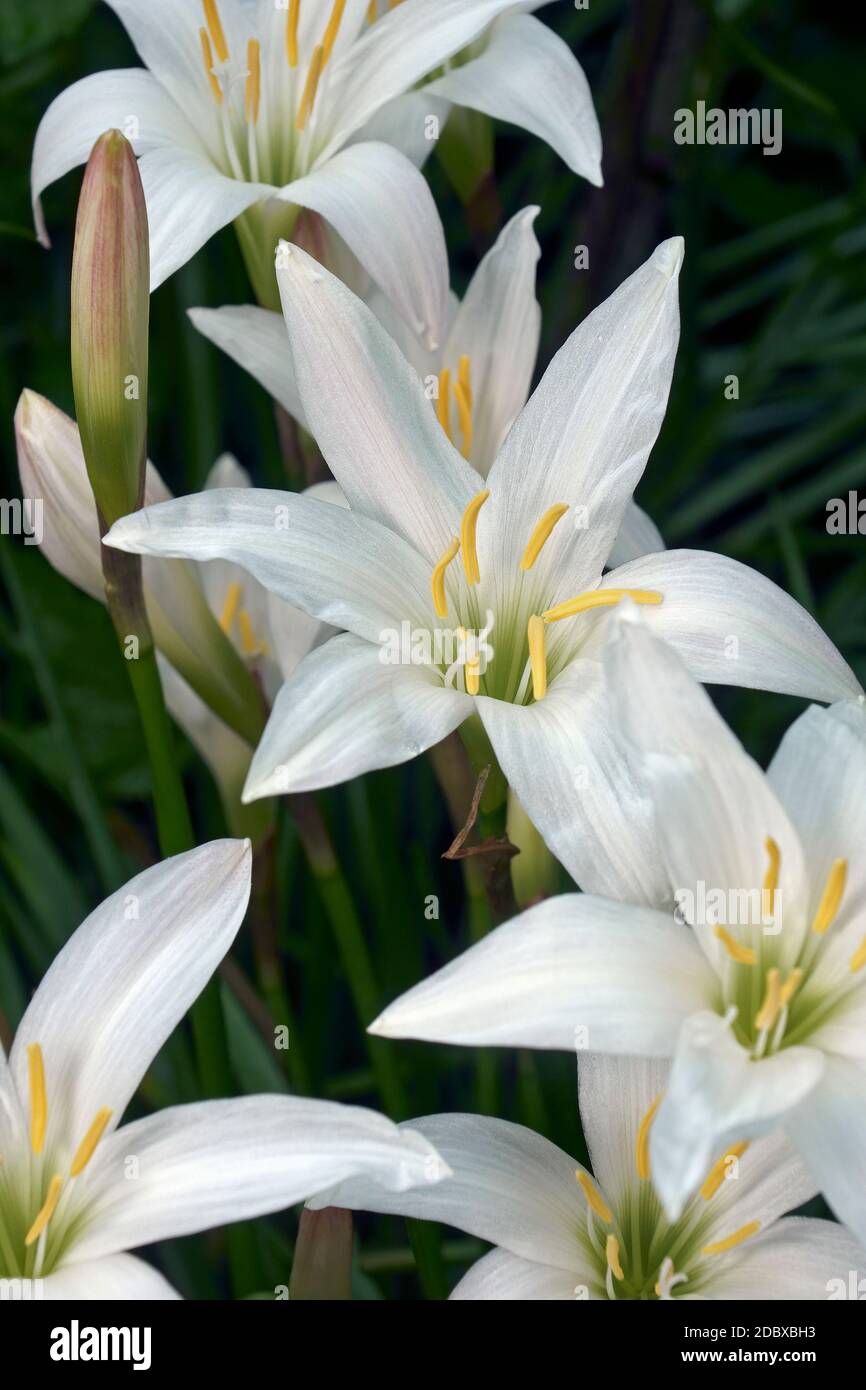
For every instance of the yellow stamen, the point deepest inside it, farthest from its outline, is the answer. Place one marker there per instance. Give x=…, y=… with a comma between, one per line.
x=392, y=4
x=215, y=29
x=541, y=534
x=593, y=1197
x=719, y=1170
x=253, y=89
x=310, y=88
x=230, y=608
x=440, y=602
x=331, y=32
x=831, y=897
x=611, y=1251
x=720, y=1246
x=858, y=960
x=207, y=54
x=85, y=1150
x=443, y=401
x=464, y=376
x=769, y=1010
x=771, y=878
x=743, y=955
x=464, y=414
x=248, y=637
x=642, y=1154
x=38, y=1101
x=372, y=12
x=468, y=528
x=598, y=598
x=48, y=1209
x=537, y=656
x=472, y=673
x=790, y=987
x=292, y=33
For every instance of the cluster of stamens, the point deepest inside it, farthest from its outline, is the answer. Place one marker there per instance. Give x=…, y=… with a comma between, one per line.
x=771, y=1022
x=31, y=1262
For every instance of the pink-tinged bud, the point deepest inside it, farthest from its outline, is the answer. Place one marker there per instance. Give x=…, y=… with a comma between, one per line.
x=322, y=1267
x=110, y=315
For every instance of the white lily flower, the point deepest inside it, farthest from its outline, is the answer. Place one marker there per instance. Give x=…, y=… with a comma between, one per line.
x=488, y=356
x=76, y=1192
x=459, y=602
x=560, y=1232
x=756, y=986
x=249, y=112
x=182, y=600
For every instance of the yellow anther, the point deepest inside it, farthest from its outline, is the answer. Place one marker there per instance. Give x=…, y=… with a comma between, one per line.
x=599, y=598
x=437, y=583
x=85, y=1150
x=464, y=376
x=831, y=897
x=642, y=1150
x=537, y=656
x=771, y=878
x=392, y=4
x=372, y=12
x=593, y=1197
x=473, y=676
x=611, y=1251
x=215, y=29
x=468, y=527
x=253, y=89
x=249, y=644
x=719, y=1170
x=769, y=1010
x=333, y=27
x=743, y=955
x=541, y=535
x=207, y=54
x=38, y=1100
x=720, y=1246
x=464, y=415
x=443, y=401
x=292, y=32
x=230, y=607
x=858, y=960
x=48, y=1209
x=310, y=88
x=790, y=987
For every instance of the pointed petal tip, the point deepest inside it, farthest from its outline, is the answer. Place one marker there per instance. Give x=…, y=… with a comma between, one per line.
x=668, y=256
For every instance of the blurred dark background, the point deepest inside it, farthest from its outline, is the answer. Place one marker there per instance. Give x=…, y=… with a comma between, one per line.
x=773, y=290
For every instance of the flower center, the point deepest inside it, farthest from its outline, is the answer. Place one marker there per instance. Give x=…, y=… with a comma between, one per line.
x=232, y=614
x=38, y=1214
x=770, y=1010
x=636, y=1252
x=518, y=670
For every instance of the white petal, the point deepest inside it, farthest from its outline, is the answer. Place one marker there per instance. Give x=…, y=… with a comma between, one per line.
x=383, y=209
x=118, y=1278
x=769, y=1180
x=368, y=412
x=573, y=972
x=103, y=101
x=718, y=1095
x=407, y=124
x=571, y=770
x=334, y=564
x=528, y=75
x=715, y=808
x=188, y=200
x=733, y=626
x=798, y=1259
x=125, y=979
x=819, y=774
x=829, y=1129
x=497, y=326
x=218, y=1162
x=508, y=1185
x=501, y=1275
x=256, y=339
x=401, y=47
x=586, y=433
x=638, y=535
x=345, y=712
x=615, y=1094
